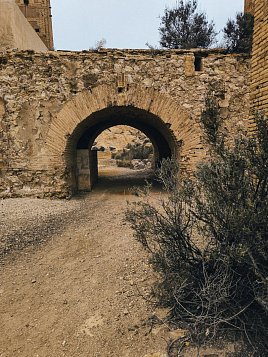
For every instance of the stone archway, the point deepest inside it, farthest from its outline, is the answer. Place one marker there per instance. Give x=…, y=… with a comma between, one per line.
x=160, y=112
x=83, y=137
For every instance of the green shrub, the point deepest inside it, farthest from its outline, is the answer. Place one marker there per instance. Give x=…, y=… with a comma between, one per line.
x=238, y=33
x=131, y=152
x=185, y=26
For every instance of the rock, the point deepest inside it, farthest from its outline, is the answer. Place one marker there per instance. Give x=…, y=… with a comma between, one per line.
x=175, y=334
x=161, y=314
x=161, y=330
x=137, y=164
x=148, y=82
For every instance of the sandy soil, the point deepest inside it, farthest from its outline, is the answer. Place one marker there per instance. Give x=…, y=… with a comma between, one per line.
x=73, y=279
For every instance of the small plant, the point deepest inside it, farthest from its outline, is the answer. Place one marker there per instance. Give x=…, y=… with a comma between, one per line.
x=210, y=117
x=100, y=44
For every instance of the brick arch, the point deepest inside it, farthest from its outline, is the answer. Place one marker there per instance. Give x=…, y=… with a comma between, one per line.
x=75, y=111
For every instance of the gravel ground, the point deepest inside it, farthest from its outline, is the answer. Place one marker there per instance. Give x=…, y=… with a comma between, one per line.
x=74, y=282
x=28, y=222
x=83, y=291
x=25, y=221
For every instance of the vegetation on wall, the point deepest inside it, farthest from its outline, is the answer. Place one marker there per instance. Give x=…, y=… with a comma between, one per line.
x=183, y=26
x=238, y=34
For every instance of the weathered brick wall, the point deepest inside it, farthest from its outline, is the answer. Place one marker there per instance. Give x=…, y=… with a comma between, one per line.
x=38, y=13
x=259, y=87
x=43, y=97
x=249, y=6
x=15, y=31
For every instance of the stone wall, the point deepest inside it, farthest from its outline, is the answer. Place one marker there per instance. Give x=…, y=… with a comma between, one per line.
x=44, y=98
x=259, y=87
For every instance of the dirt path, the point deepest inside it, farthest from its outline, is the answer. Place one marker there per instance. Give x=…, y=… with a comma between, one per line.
x=73, y=289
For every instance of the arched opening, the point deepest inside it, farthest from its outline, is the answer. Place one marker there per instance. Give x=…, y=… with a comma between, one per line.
x=126, y=157
x=82, y=159
x=82, y=118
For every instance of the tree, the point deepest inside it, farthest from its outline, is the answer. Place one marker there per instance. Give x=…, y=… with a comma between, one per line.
x=238, y=33
x=208, y=239
x=184, y=27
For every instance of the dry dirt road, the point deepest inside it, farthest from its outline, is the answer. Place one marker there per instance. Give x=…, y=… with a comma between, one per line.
x=71, y=279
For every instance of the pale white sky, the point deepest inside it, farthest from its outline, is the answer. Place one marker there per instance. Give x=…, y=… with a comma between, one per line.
x=80, y=24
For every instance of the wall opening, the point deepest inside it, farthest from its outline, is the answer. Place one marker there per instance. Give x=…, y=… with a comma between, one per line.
x=198, y=65
x=83, y=154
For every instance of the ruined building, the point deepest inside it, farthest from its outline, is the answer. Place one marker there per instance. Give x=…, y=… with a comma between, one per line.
x=38, y=13
x=53, y=104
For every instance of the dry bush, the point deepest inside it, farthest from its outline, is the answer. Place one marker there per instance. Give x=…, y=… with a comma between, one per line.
x=220, y=288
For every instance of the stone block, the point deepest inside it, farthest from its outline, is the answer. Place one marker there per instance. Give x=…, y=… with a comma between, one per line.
x=189, y=68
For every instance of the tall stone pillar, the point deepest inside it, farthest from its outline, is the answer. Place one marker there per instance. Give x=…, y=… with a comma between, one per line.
x=15, y=31
x=38, y=13
x=259, y=84
x=249, y=7
x=87, y=169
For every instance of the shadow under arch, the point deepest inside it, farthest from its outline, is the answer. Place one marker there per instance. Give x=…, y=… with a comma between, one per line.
x=79, y=144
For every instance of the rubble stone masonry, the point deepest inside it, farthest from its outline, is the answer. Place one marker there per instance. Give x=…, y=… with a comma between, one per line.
x=45, y=98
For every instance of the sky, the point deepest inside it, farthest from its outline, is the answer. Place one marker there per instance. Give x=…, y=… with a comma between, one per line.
x=80, y=24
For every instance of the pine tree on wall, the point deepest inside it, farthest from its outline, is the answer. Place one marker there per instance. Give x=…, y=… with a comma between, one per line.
x=183, y=26
x=238, y=33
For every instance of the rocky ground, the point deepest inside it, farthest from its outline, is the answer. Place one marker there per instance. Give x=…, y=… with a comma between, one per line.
x=73, y=281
